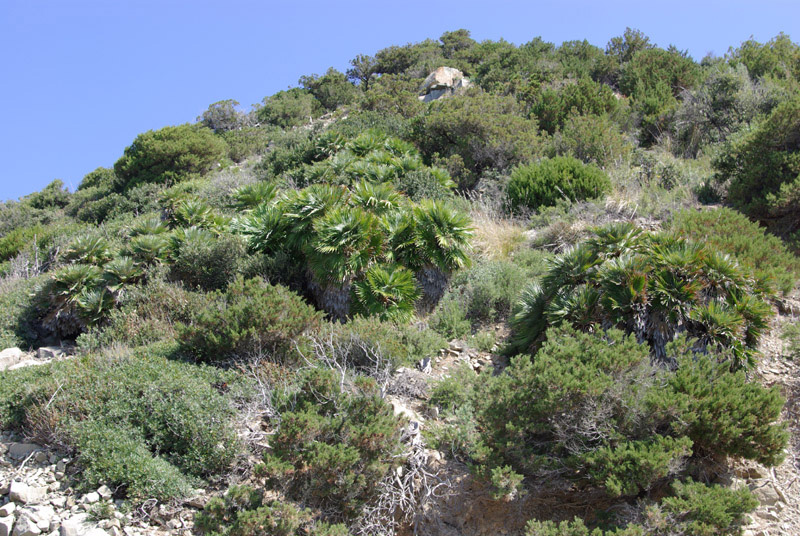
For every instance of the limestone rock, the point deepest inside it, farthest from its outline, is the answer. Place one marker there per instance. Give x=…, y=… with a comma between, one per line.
x=21, y=492
x=6, y=524
x=10, y=357
x=443, y=82
x=7, y=509
x=766, y=494
x=25, y=526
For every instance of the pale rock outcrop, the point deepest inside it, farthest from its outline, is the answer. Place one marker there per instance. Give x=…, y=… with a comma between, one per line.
x=443, y=82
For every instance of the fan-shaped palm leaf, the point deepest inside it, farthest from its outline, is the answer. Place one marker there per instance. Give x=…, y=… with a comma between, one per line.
x=376, y=198
x=148, y=226
x=120, y=272
x=387, y=292
x=443, y=235
x=252, y=195
x=345, y=242
x=93, y=305
x=89, y=250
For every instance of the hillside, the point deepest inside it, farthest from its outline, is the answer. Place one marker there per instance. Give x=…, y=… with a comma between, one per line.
x=464, y=288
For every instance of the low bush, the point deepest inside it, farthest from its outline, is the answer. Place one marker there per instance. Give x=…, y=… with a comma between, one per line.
x=145, y=425
x=336, y=441
x=147, y=314
x=592, y=140
x=209, y=263
x=18, y=314
x=731, y=232
x=544, y=183
x=487, y=290
x=250, y=317
x=691, y=509
x=244, y=511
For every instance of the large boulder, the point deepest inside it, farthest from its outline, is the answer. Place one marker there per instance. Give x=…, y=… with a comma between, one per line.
x=443, y=82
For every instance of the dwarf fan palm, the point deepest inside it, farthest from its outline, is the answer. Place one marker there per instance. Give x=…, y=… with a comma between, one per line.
x=250, y=196
x=345, y=242
x=376, y=198
x=442, y=237
x=89, y=250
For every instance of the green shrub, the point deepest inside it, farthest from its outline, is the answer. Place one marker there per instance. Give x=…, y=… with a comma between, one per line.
x=169, y=155
x=592, y=408
x=146, y=424
x=209, y=263
x=400, y=344
x=288, y=108
x=243, y=512
x=544, y=183
x=553, y=106
x=487, y=290
x=593, y=140
x=484, y=131
x=246, y=142
x=730, y=232
x=333, y=445
x=147, y=314
x=449, y=320
x=762, y=166
x=249, y=317
x=791, y=339
x=18, y=314
x=693, y=509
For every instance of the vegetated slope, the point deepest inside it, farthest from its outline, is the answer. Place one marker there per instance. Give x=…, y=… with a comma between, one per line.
x=249, y=296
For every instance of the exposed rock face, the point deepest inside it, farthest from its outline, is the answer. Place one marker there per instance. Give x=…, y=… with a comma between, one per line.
x=443, y=82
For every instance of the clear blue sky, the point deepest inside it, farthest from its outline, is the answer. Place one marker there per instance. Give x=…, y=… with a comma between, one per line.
x=80, y=79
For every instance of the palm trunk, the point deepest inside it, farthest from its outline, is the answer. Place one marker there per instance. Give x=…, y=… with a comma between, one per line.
x=433, y=283
x=331, y=298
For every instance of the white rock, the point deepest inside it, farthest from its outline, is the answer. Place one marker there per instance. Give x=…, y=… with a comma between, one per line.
x=6, y=524
x=104, y=492
x=25, y=526
x=74, y=526
x=7, y=509
x=90, y=498
x=22, y=493
x=10, y=357
x=58, y=502
x=41, y=515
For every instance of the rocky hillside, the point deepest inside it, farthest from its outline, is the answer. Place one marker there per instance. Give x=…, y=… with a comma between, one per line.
x=465, y=288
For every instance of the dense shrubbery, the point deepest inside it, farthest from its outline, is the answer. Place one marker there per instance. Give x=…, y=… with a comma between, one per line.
x=144, y=424
x=168, y=156
x=250, y=318
x=592, y=409
x=333, y=445
x=482, y=131
x=543, y=184
x=244, y=511
x=762, y=167
x=357, y=212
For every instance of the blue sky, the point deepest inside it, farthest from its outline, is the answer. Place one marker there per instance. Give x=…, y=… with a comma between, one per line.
x=80, y=79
